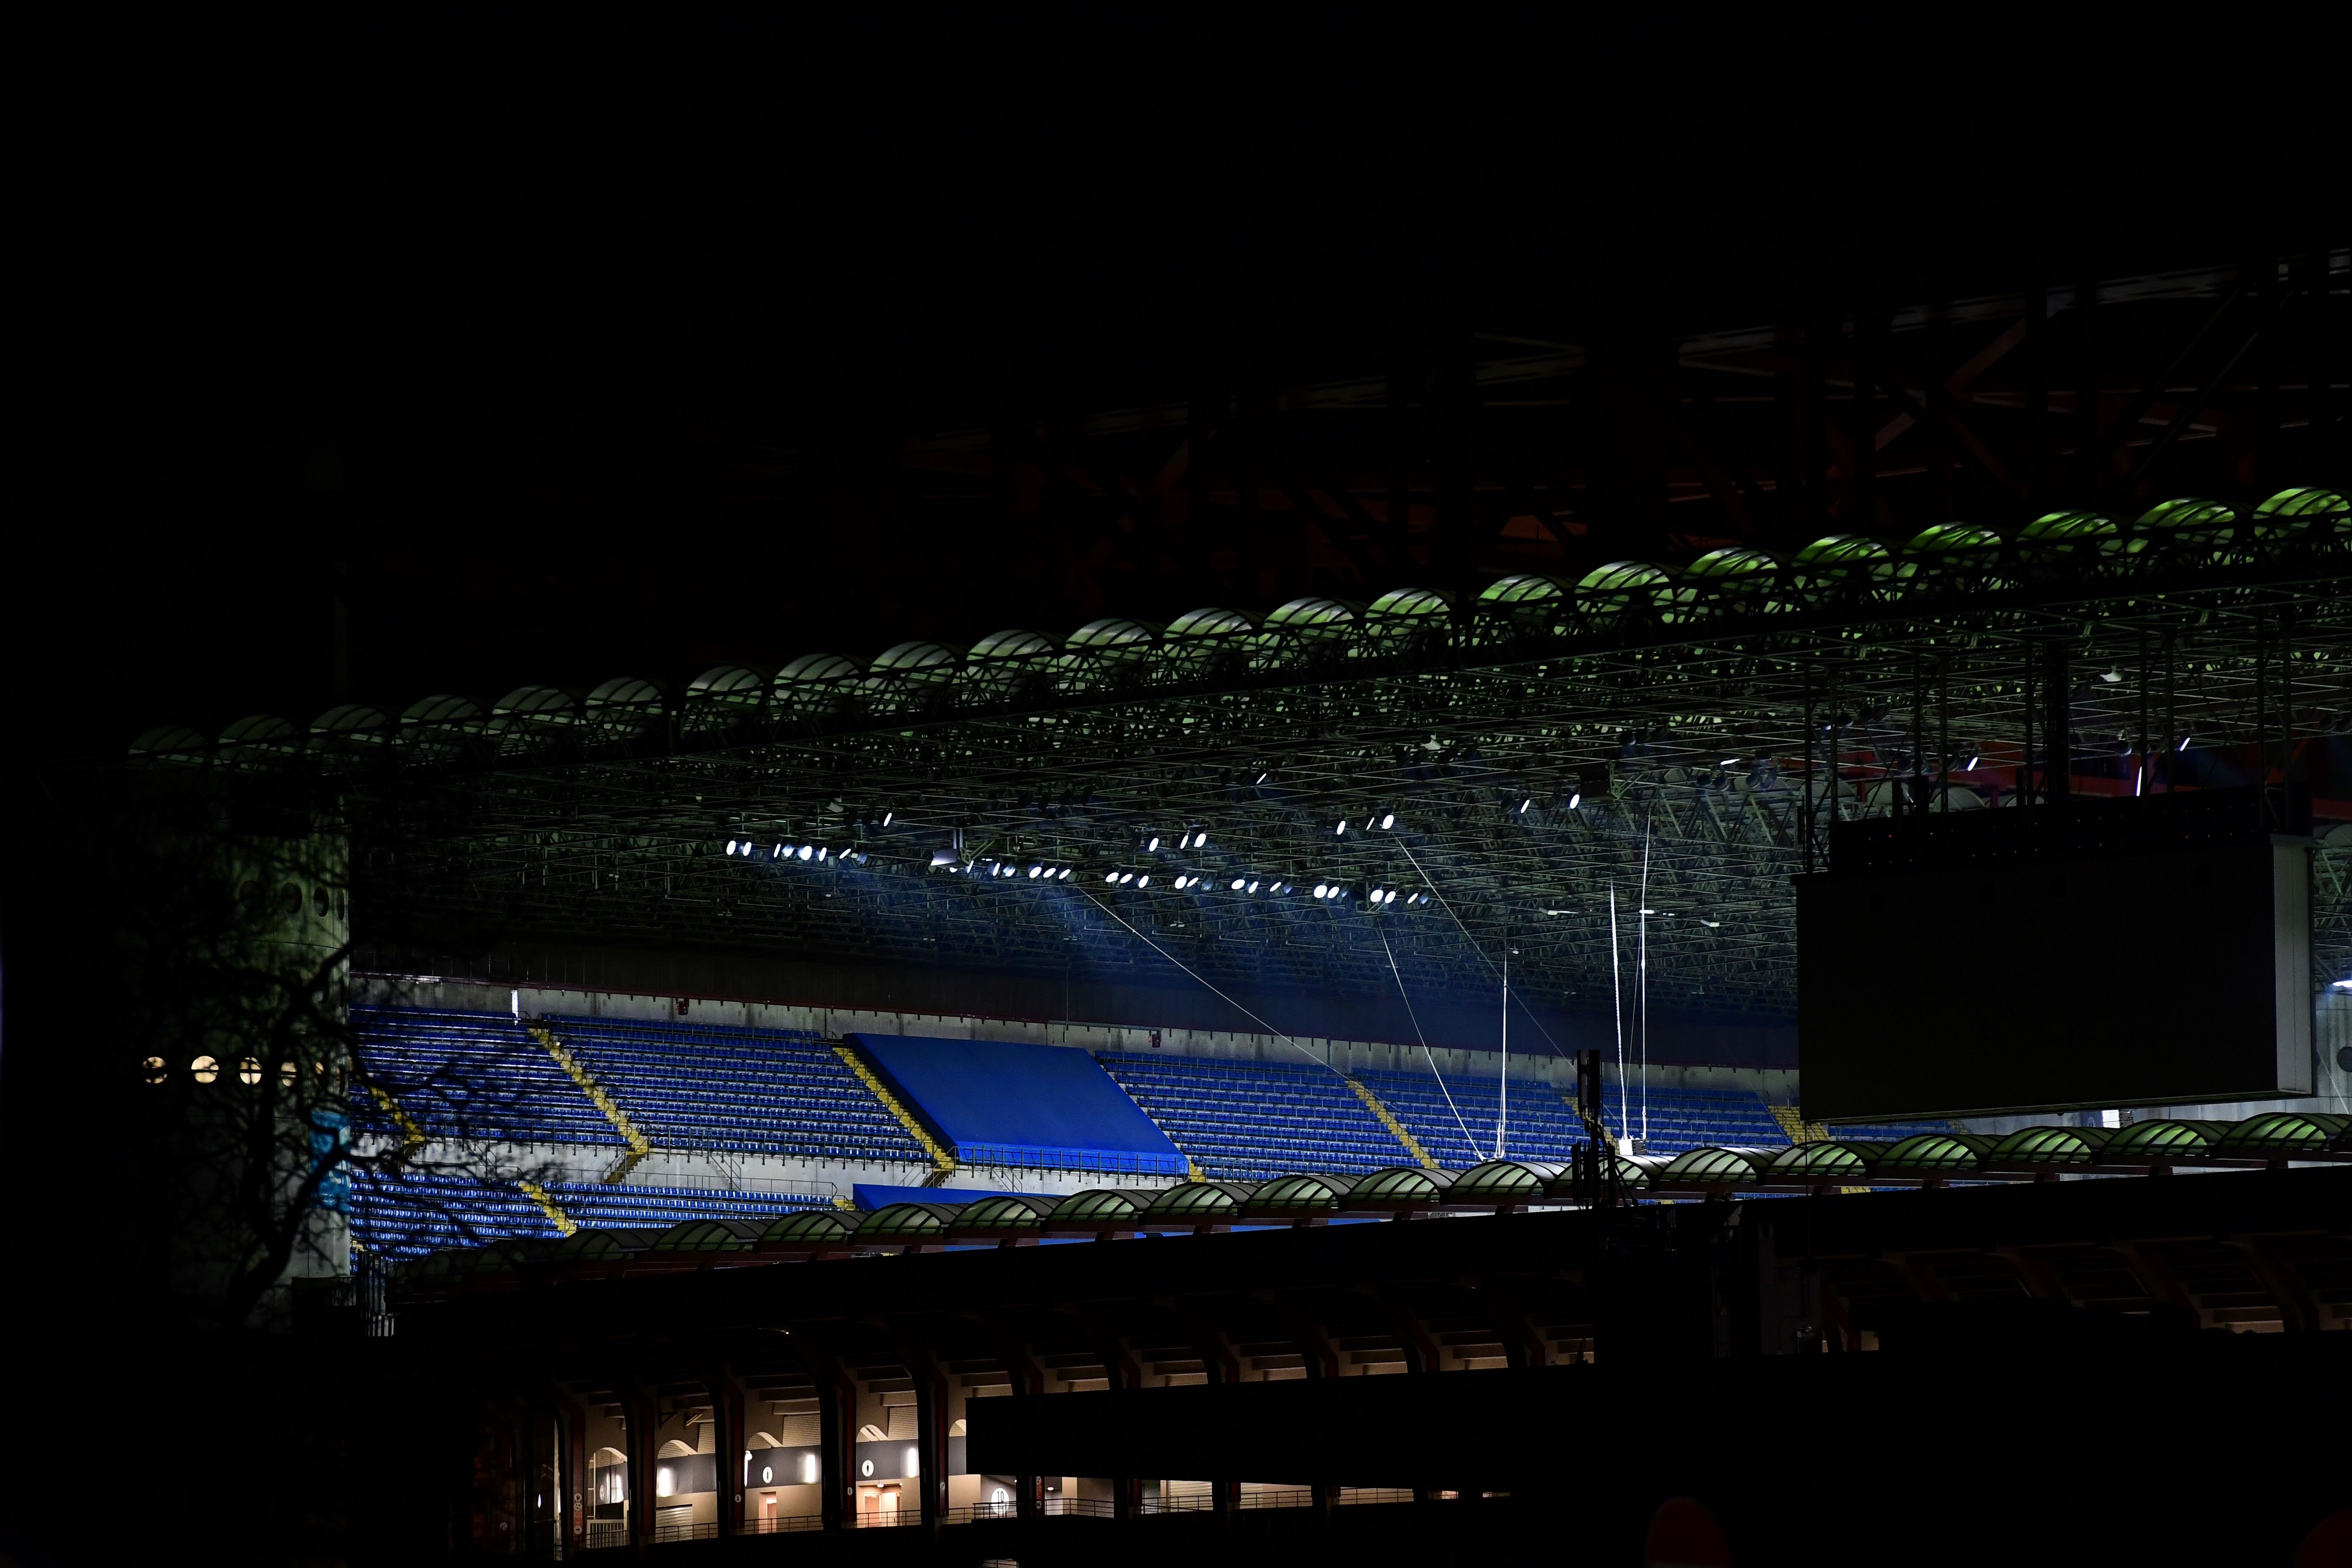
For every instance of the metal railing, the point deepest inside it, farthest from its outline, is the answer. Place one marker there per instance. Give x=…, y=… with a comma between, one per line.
x=784, y=1522
x=1045, y=1157
x=705, y=1531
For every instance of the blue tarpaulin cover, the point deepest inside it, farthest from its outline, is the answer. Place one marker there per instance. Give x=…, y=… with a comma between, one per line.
x=1001, y=1103
x=874, y=1195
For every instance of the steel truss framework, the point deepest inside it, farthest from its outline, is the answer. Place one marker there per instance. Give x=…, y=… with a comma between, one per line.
x=1535, y=751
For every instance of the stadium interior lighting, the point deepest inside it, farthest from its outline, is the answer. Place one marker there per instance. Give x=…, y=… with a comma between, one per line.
x=1253, y=887
x=1524, y=803
x=1380, y=895
x=777, y=854
x=2341, y=986
x=1237, y=884
x=1729, y=762
x=1066, y=873
x=1200, y=841
x=2184, y=742
x=942, y=858
x=1125, y=878
x=1575, y=799
x=731, y=847
x=1972, y=765
x=1343, y=829
x=1144, y=881
x=1712, y=925
x=1035, y=873
x=1560, y=911
x=1388, y=822
x=806, y=850
x=886, y=816
x=1321, y=891
x=1110, y=876
x=1153, y=846
x=2113, y=676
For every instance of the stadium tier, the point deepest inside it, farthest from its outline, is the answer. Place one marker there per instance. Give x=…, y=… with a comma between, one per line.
x=469, y=1075
x=1249, y=1120
x=759, y=1091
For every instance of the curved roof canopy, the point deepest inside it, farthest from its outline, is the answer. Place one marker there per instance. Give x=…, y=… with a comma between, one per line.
x=1715, y=1166
x=2046, y=1146
x=1007, y=1214
x=1933, y=1155
x=907, y=1222
x=1504, y=1182
x=1297, y=1193
x=2280, y=1132
x=1199, y=1202
x=1400, y=1187
x=711, y=1235
x=1097, y=1208
x=808, y=1225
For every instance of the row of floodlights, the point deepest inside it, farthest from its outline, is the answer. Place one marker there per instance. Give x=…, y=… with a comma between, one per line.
x=819, y=852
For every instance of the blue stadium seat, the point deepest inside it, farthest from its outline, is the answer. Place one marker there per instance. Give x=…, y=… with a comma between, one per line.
x=1249, y=1120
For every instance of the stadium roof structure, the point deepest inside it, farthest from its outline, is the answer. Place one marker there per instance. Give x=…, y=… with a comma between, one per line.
x=1307, y=796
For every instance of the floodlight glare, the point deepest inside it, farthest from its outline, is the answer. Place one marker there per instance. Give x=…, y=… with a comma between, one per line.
x=1066, y=873
x=806, y=850
x=1152, y=846
x=1035, y=873
x=2184, y=741
x=1322, y=890
x=1377, y=898
x=1388, y=822
x=1728, y=761
x=1110, y=876
x=1524, y=803
x=1200, y=841
x=779, y=853
x=731, y=847
x=1143, y=882
x=886, y=816
x=1575, y=800
x=1125, y=878
x=2113, y=676
x=1237, y=884
x=1343, y=829
x=1253, y=887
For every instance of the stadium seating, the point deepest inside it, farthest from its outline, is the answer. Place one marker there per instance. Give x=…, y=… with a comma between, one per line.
x=410, y=1213
x=469, y=1075
x=754, y=1091
x=1250, y=1121
x=1545, y=1126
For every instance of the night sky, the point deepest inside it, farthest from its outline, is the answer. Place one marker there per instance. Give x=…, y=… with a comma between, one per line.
x=392, y=312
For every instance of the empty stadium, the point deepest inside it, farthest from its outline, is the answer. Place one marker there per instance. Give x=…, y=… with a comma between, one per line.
x=1710, y=944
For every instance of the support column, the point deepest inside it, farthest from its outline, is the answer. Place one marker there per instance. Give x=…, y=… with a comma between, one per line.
x=836, y=1404
x=644, y=1411
x=728, y=1442
x=2058, y=726
x=930, y=1433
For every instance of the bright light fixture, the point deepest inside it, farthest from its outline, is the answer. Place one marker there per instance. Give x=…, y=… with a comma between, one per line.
x=1035, y=873
x=1144, y=881
x=1066, y=873
x=1237, y=884
x=1200, y=841
x=1524, y=803
x=779, y=853
x=1110, y=876
x=1388, y=822
x=1253, y=887
x=731, y=847
x=1153, y=846
x=1322, y=890
x=1712, y=925
x=886, y=816
x=1728, y=761
x=1125, y=878
x=1343, y=829
x=1575, y=800
x=806, y=850
x=2113, y=676
x=2184, y=741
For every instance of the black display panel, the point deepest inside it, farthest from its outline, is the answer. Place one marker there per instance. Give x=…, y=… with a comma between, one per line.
x=2102, y=953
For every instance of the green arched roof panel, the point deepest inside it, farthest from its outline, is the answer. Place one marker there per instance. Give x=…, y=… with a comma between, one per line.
x=1946, y=539
x=1007, y=1211
x=1504, y=1182
x=1524, y=589
x=1821, y=1161
x=2188, y=522
x=2071, y=536
x=708, y=1236
x=916, y=660
x=1845, y=555
x=1733, y=563
x=808, y=1225
x=2298, y=513
x=733, y=684
x=546, y=704
x=1112, y=637
x=1210, y=623
x=2044, y=1146
x=1715, y=1166
x=1300, y=614
x=1102, y=1208
x=583, y=1245
x=906, y=1222
x=1402, y=603
x=1934, y=1154
x=2278, y=1132
x=2156, y=1140
x=1399, y=1186
x=350, y=718
x=1014, y=644
x=1299, y=1191
x=811, y=666
x=1201, y=1201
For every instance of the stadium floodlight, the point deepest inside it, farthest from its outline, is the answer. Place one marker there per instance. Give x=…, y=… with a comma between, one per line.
x=1035, y=873
x=807, y=852
x=1972, y=765
x=1645, y=912
x=1388, y=821
x=1144, y=881
x=1200, y=841
x=1237, y=884
x=778, y=853
x=1253, y=887
x=1729, y=762
x=1712, y=925
x=822, y=853
x=1125, y=878
x=2112, y=676
x=1524, y=803
x=1152, y=848
x=1110, y=876
x=1575, y=799
x=2341, y=986
x=886, y=816
x=731, y=847
x=1378, y=895
x=1343, y=829
x=2184, y=742
x=1322, y=890
x=1066, y=873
